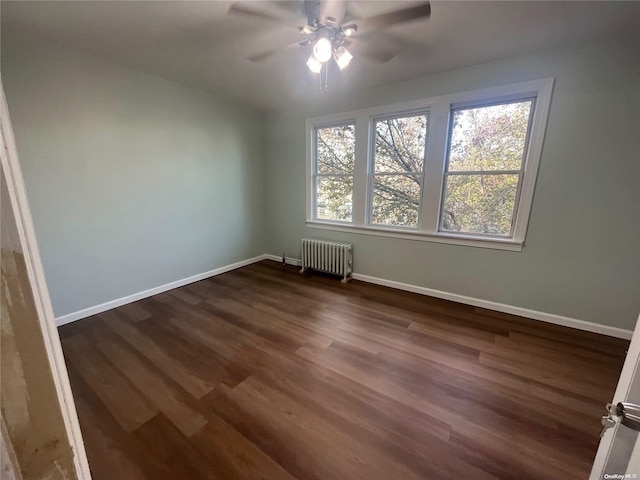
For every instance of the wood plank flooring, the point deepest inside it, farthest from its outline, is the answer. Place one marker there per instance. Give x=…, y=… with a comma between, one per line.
x=262, y=373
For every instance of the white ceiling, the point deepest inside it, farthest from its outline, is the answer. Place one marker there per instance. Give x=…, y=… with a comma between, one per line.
x=197, y=44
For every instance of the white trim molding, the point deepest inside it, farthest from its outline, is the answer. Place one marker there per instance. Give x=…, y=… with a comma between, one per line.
x=489, y=305
x=502, y=307
x=435, y=171
x=27, y=236
x=118, y=302
x=628, y=377
x=288, y=260
x=450, y=238
x=454, y=297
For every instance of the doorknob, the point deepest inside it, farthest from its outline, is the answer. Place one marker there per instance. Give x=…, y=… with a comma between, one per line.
x=629, y=414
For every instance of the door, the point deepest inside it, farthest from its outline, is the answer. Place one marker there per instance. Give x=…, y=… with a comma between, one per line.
x=618, y=456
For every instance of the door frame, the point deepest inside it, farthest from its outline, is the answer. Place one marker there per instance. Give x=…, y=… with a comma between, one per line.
x=629, y=370
x=26, y=233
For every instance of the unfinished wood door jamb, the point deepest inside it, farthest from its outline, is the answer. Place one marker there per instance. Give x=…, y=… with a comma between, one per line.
x=26, y=232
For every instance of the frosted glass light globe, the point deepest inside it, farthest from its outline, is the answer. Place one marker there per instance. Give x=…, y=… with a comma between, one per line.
x=314, y=65
x=322, y=50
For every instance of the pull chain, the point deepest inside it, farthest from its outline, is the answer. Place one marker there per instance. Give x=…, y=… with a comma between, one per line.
x=323, y=79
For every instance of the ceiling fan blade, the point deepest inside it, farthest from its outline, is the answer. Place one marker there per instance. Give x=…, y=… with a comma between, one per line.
x=367, y=50
x=377, y=22
x=256, y=57
x=376, y=55
x=266, y=11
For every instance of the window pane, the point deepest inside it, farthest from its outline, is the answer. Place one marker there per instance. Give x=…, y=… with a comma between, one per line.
x=479, y=204
x=400, y=144
x=489, y=138
x=396, y=199
x=334, y=198
x=335, y=149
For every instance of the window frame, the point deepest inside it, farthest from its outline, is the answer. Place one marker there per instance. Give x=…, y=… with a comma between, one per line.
x=371, y=173
x=439, y=111
x=315, y=174
x=520, y=172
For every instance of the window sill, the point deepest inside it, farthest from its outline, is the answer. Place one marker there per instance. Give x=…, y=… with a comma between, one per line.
x=449, y=238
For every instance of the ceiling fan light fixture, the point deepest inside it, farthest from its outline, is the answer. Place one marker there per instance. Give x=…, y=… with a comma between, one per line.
x=342, y=57
x=322, y=50
x=306, y=30
x=314, y=65
x=349, y=30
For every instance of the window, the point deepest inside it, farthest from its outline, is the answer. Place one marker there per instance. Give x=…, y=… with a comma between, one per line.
x=398, y=169
x=335, y=159
x=456, y=169
x=485, y=165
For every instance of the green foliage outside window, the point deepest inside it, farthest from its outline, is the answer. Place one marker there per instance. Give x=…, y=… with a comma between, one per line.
x=398, y=170
x=335, y=160
x=489, y=139
x=486, y=150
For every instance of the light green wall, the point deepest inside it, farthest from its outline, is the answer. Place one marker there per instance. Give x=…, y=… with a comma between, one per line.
x=133, y=181
x=582, y=253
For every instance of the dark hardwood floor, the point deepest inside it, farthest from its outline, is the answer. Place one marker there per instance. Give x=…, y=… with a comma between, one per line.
x=261, y=373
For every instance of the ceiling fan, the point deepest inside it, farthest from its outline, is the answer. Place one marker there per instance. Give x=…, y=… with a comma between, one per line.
x=328, y=28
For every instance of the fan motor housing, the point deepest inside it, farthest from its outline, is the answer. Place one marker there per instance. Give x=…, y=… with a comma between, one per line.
x=323, y=13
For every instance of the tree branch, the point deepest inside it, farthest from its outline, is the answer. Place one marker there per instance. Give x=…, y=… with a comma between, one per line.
x=334, y=154
x=396, y=193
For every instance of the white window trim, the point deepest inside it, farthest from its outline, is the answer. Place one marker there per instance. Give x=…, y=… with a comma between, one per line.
x=439, y=109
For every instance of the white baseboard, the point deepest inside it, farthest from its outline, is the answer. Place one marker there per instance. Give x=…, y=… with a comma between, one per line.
x=288, y=260
x=477, y=302
x=501, y=307
x=103, y=307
